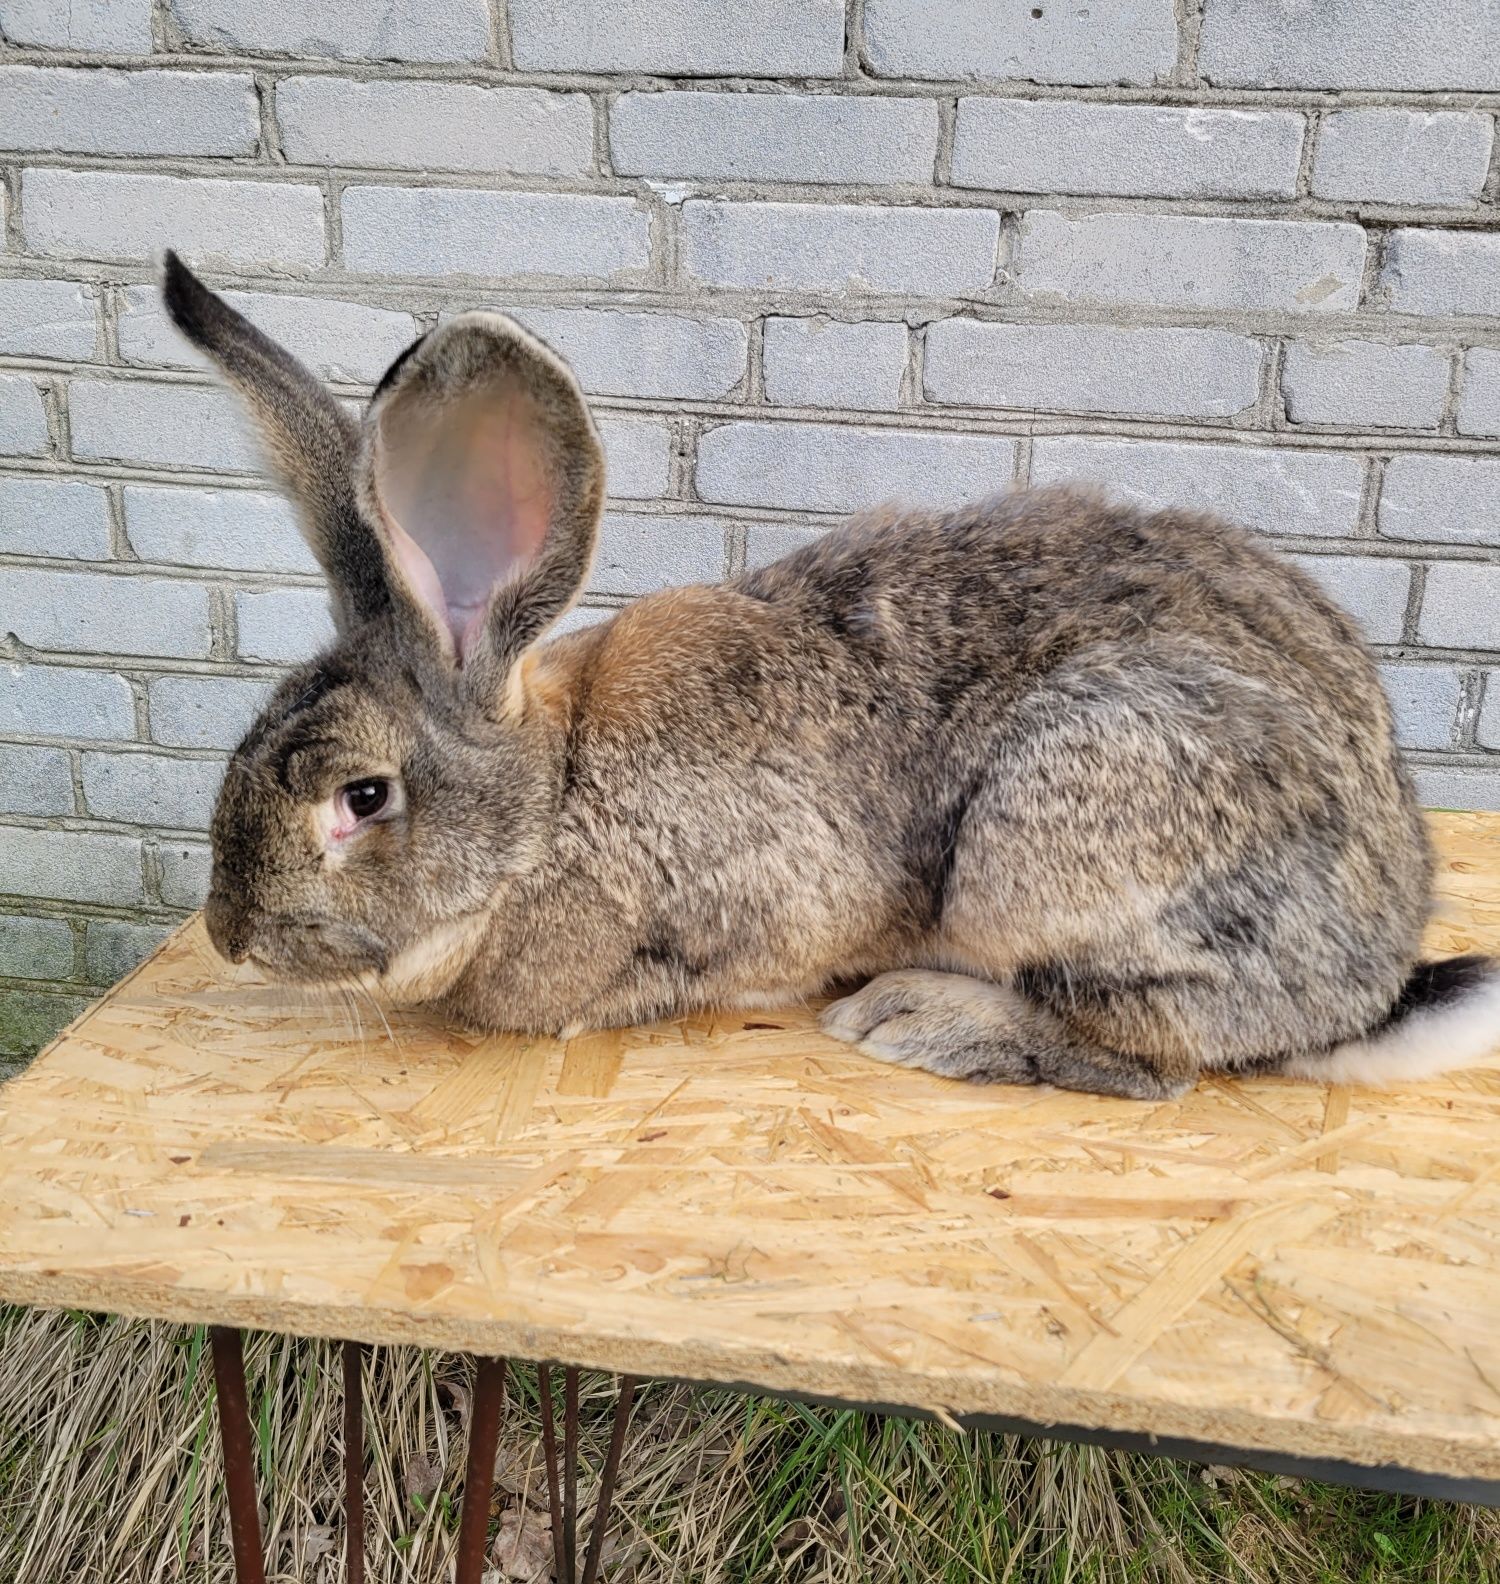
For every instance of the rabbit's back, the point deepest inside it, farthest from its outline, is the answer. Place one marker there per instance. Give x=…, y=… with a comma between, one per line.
x=996, y=596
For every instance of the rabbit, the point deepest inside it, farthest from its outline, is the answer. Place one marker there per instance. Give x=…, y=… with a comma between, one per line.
x=1076, y=793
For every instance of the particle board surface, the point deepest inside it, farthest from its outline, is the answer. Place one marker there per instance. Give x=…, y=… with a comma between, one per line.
x=1270, y=1265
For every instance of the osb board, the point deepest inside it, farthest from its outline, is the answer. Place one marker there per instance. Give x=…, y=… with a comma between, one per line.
x=1271, y=1265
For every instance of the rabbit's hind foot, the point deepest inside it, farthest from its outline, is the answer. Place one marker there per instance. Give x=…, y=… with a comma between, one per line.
x=961, y=1027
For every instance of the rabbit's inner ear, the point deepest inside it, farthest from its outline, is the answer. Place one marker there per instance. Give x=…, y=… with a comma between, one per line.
x=464, y=486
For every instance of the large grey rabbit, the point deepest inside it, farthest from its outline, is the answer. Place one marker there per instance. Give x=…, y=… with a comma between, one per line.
x=1091, y=796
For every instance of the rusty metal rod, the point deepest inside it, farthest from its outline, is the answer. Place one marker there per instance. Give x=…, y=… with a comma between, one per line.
x=607, y=1479
x=549, y=1455
x=570, y=1474
x=354, y=1462
x=479, y=1477
x=239, y=1458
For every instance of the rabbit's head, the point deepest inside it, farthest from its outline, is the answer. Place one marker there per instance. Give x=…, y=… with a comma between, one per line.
x=392, y=784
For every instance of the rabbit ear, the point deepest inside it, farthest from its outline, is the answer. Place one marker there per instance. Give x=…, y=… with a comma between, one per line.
x=483, y=468
x=311, y=442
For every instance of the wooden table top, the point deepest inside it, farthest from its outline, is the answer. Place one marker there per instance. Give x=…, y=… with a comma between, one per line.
x=1269, y=1265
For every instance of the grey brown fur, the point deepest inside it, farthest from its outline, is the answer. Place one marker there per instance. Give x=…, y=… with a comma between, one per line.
x=1090, y=795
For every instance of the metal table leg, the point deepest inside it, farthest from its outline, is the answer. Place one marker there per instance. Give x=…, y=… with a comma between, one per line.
x=549, y=1454
x=607, y=1479
x=354, y=1462
x=562, y=1486
x=479, y=1479
x=239, y=1460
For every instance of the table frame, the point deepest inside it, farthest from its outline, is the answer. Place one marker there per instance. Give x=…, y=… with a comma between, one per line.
x=562, y=1479
x=488, y=1409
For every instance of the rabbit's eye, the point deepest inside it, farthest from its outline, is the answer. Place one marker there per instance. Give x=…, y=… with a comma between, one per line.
x=361, y=799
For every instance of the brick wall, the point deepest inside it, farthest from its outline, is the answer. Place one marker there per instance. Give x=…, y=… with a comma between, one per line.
x=805, y=254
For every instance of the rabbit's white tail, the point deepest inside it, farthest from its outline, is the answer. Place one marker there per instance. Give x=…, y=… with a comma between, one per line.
x=1448, y=1015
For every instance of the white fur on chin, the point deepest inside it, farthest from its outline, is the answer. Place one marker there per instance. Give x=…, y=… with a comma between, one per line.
x=427, y=968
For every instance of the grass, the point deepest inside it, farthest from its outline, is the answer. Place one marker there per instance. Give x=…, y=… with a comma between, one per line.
x=110, y=1474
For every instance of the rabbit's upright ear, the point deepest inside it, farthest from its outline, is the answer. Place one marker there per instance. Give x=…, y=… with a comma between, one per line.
x=311, y=442
x=483, y=468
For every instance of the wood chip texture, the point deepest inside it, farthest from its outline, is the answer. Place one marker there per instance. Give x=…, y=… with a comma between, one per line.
x=733, y=1197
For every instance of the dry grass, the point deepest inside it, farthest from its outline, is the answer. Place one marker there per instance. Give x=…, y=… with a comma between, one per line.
x=110, y=1474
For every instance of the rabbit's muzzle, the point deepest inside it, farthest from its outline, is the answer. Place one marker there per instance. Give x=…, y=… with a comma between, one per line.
x=301, y=948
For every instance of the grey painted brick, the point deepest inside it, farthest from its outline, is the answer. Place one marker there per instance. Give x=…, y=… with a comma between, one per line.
x=214, y=528
x=1108, y=41
x=638, y=454
x=76, y=866
x=768, y=542
x=184, y=873
x=35, y=948
x=54, y=517
x=92, y=612
x=1487, y=732
x=822, y=467
x=1443, y=272
x=1372, y=591
x=23, y=419
x=337, y=340
x=821, y=362
x=131, y=215
x=839, y=247
x=284, y=626
x=113, y=947
x=435, y=126
x=168, y=425
x=1425, y=701
x=1461, y=606
x=1364, y=385
x=681, y=38
x=445, y=231
x=65, y=701
x=114, y=26
x=440, y=30
x=1091, y=368
x=151, y=789
x=1276, y=492
x=1479, y=406
x=1403, y=156
x=774, y=137
x=617, y=352
x=1455, y=787
x=1351, y=44
x=51, y=319
x=639, y=554
x=29, y=1020
x=35, y=781
x=140, y=112
x=1052, y=146
x=1455, y=500
x=204, y=712
x=1190, y=261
